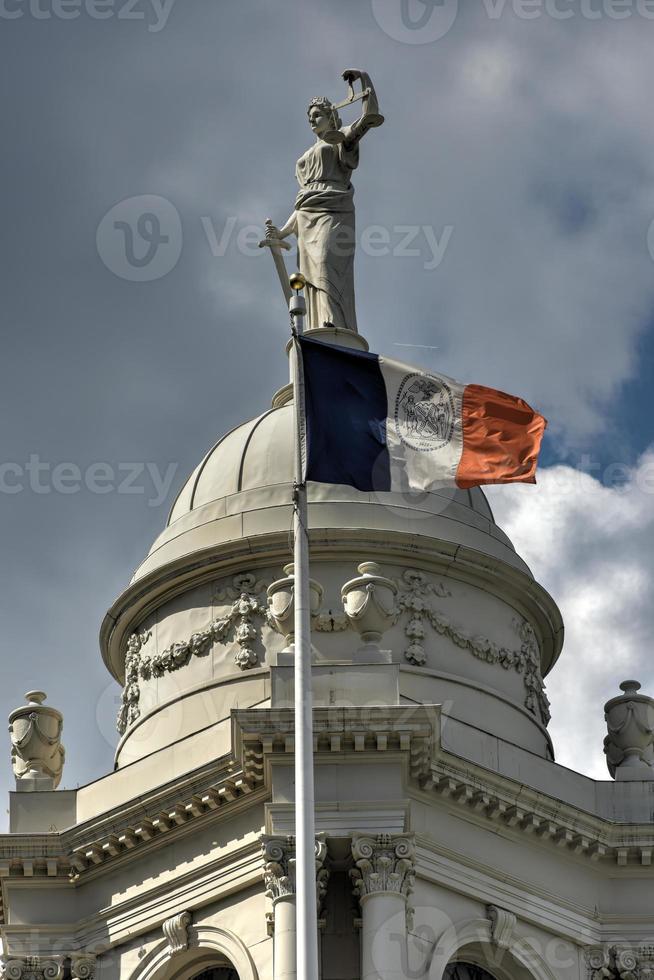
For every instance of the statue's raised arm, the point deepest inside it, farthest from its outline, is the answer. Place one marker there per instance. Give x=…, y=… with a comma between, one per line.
x=370, y=116
x=323, y=218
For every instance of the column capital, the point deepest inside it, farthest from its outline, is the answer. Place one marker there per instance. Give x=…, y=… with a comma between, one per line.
x=279, y=867
x=82, y=966
x=619, y=961
x=32, y=967
x=383, y=863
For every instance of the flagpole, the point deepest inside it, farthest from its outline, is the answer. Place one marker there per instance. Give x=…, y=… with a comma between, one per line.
x=305, y=866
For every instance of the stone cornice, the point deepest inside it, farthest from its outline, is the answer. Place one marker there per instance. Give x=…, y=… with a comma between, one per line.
x=147, y=822
x=262, y=736
x=258, y=736
x=521, y=810
x=145, y=910
x=489, y=885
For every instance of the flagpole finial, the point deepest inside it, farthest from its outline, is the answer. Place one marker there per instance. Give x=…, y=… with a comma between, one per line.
x=297, y=281
x=297, y=305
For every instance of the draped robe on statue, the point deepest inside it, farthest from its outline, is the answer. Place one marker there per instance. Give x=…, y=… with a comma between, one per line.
x=325, y=231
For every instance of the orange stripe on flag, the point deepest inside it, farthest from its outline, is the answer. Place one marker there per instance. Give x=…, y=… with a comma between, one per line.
x=501, y=438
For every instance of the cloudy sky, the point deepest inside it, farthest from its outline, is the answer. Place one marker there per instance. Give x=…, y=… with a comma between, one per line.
x=514, y=186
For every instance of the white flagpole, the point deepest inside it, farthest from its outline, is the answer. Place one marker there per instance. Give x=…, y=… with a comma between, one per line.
x=305, y=866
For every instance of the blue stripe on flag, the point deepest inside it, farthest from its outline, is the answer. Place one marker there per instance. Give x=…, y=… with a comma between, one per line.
x=346, y=411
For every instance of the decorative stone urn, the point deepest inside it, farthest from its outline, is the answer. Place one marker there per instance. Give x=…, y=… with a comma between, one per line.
x=629, y=746
x=37, y=754
x=281, y=605
x=369, y=604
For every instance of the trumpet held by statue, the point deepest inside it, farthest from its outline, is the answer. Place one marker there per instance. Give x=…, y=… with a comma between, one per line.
x=378, y=424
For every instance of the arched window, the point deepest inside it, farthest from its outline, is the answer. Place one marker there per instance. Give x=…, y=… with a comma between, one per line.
x=217, y=973
x=466, y=971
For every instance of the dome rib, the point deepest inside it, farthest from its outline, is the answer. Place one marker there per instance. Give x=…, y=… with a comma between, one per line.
x=214, y=448
x=254, y=428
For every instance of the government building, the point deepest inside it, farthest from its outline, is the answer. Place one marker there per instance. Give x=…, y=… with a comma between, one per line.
x=449, y=842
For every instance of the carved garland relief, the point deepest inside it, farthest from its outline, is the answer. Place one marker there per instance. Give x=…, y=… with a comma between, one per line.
x=248, y=604
x=247, y=611
x=416, y=593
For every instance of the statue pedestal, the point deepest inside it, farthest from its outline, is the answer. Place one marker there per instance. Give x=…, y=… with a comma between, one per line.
x=640, y=774
x=340, y=685
x=35, y=783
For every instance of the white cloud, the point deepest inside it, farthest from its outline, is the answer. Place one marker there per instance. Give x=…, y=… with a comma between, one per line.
x=591, y=547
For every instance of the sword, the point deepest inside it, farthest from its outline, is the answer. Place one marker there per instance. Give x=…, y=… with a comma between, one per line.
x=276, y=245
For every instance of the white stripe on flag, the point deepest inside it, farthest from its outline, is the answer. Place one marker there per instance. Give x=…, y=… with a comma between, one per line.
x=424, y=431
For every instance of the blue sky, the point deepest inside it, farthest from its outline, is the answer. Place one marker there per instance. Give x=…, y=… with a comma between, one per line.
x=529, y=139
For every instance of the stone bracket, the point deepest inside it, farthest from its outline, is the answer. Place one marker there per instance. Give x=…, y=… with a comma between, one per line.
x=175, y=931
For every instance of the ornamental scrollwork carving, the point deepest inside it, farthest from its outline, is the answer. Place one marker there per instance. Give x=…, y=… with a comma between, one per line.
x=598, y=961
x=82, y=967
x=129, y=708
x=415, y=593
x=175, y=931
x=331, y=622
x=279, y=868
x=502, y=926
x=33, y=968
x=416, y=600
x=247, y=604
x=528, y=664
x=383, y=863
x=620, y=962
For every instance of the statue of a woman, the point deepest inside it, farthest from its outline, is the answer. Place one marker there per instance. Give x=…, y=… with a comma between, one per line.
x=323, y=219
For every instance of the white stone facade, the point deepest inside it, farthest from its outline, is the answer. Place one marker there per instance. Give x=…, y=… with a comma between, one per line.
x=446, y=832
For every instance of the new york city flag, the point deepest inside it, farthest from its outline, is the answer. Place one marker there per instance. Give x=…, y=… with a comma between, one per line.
x=378, y=424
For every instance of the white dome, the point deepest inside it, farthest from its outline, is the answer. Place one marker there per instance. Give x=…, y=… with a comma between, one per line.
x=243, y=487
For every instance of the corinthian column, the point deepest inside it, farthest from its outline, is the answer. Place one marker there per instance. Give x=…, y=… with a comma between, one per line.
x=279, y=878
x=383, y=878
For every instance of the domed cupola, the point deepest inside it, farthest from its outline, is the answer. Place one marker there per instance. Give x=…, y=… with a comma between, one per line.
x=193, y=633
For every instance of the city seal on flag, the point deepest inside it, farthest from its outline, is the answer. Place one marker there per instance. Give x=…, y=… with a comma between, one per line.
x=424, y=412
